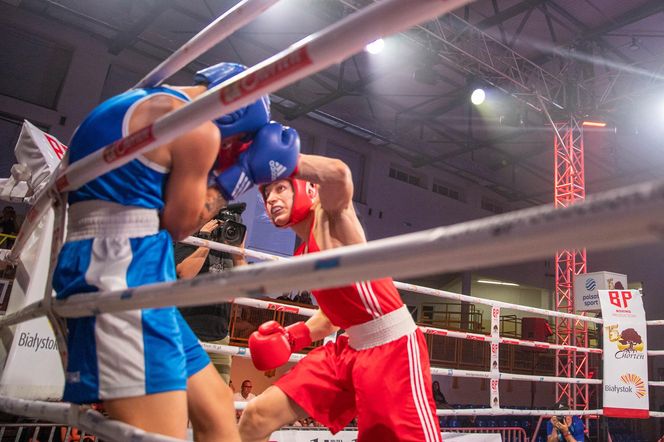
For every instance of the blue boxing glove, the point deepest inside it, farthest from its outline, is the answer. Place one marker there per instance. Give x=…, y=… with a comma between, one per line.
x=273, y=155
x=247, y=120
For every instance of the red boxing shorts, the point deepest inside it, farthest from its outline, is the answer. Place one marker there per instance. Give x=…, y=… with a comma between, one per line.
x=387, y=386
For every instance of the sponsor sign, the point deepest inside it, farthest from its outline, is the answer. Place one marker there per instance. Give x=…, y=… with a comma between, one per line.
x=33, y=369
x=625, y=348
x=494, y=393
x=266, y=75
x=587, y=285
x=128, y=145
x=282, y=308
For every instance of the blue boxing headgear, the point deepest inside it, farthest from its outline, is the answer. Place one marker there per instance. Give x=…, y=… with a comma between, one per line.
x=248, y=119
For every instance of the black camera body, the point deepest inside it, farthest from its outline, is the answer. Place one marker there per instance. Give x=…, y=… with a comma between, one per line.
x=230, y=230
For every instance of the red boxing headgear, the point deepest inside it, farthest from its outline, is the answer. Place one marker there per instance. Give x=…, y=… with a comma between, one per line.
x=303, y=201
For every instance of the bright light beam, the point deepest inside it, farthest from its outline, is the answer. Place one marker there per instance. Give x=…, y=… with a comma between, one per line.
x=375, y=47
x=478, y=96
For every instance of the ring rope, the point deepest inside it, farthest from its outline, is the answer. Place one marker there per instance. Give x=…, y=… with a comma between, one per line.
x=221, y=247
x=72, y=415
x=217, y=31
x=526, y=234
x=246, y=353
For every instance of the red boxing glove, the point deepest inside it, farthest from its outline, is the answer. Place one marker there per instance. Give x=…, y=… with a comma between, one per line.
x=228, y=154
x=272, y=345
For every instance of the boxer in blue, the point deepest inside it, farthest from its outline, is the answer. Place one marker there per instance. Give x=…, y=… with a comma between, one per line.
x=146, y=365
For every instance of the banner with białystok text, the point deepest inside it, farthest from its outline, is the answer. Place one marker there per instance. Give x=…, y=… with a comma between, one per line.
x=625, y=354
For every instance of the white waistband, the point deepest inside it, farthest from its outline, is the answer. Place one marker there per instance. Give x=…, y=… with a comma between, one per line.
x=379, y=331
x=96, y=218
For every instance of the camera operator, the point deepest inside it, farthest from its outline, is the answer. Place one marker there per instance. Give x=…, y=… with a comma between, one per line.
x=565, y=428
x=210, y=322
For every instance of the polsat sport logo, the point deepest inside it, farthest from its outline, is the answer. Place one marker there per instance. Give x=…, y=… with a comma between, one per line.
x=636, y=381
x=591, y=284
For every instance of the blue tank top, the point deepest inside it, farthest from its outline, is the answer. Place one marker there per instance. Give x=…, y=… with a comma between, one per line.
x=138, y=183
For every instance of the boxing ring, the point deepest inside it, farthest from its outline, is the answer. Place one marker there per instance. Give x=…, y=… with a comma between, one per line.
x=599, y=223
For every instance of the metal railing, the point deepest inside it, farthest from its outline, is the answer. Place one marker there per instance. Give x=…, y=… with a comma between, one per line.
x=42, y=432
x=6, y=240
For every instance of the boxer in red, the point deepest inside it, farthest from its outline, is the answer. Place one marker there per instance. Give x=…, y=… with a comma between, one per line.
x=379, y=369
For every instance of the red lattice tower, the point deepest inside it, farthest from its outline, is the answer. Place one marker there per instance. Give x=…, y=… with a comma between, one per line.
x=570, y=187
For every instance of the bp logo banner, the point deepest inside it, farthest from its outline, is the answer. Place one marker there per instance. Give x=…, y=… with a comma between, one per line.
x=625, y=349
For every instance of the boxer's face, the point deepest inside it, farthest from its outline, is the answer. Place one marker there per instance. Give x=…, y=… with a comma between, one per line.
x=279, y=201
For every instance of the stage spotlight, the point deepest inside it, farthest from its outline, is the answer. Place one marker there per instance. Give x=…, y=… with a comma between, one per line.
x=375, y=47
x=590, y=123
x=478, y=96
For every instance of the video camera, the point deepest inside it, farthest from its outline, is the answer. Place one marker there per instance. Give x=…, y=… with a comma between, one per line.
x=230, y=230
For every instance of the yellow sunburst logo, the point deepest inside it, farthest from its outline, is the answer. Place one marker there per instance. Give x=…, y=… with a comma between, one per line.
x=639, y=385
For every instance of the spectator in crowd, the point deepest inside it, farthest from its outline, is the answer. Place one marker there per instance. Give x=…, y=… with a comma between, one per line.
x=284, y=297
x=209, y=322
x=564, y=428
x=438, y=395
x=245, y=394
x=441, y=402
x=304, y=298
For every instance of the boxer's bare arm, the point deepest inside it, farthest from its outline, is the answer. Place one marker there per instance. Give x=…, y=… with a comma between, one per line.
x=320, y=326
x=336, y=222
x=333, y=178
x=189, y=202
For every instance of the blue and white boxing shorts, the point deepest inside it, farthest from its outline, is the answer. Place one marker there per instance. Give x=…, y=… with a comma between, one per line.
x=131, y=353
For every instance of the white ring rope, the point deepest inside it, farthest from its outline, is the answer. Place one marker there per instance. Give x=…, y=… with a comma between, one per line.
x=246, y=353
x=425, y=291
x=217, y=31
x=269, y=305
x=88, y=420
x=198, y=242
x=192, y=240
x=276, y=306
x=308, y=56
x=599, y=222
x=509, y=341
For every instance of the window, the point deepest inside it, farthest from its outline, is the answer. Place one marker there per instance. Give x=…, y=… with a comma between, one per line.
x=38, y=78
x=447, y=190
x=492, y=206
x=402, y=174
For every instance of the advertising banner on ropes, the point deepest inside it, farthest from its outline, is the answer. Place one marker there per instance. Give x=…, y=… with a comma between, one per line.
x=625, y=349
x=32, y=367
x=38, y=155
